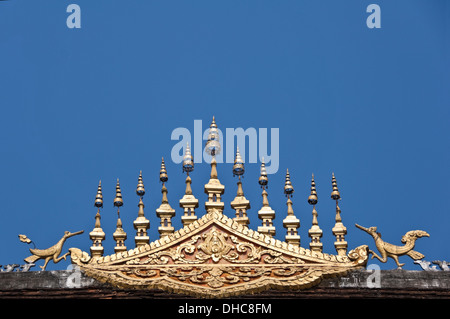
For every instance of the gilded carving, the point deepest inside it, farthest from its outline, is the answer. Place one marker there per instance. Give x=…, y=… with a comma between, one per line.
x=388, y=250
x=216, y=257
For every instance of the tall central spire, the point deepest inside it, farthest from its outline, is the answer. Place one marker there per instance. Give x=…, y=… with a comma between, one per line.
x=214, y=188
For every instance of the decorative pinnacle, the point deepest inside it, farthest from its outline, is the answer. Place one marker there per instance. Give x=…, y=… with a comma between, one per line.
x=140, y=190
x=238, y=167
x=118, y=201
x=312, y=199
x=212, y=146
x=163, y=173
x=263, y=180
x=335, y=193
x=288, y=188
x=188, y=162
x=99, y=198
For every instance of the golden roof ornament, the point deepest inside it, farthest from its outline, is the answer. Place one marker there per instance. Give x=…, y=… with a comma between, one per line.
x=189, y=203
x=99, y=197
x=205, y=257
x=288, y=188
x=291, y=223
x=119, y=235
x=141, y=224
x=97, y=235
x=238, y=167
x=188, y=161
x=214, y=188
x=263, y=180
x=165, y=212
x=140, y=190
x=240, y=204
x=393, y=251
x=49, y=254
x=212, y=146
x=118, y=201
x=266, y=213
x=314, y=232
x=339, y=230
x=162, y=172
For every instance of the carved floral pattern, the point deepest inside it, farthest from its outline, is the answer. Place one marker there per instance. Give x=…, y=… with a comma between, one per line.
x=216, y=257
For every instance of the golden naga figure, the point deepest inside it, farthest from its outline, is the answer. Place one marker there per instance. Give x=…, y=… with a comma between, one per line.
x=49, y=253
x=388, y=250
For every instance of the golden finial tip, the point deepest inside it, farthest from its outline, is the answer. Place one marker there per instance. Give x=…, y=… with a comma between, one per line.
x=288, y=188
x=335, y=193
x=238, y=167
x=312, y=199
x=99, y=197
x=163, y=177
x=118, y=201
x=140, y=190
x=188, y=160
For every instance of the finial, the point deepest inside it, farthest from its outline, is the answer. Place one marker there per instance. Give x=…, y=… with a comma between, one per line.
x=339, y=230
x=140, y=191
x=238, y=167
x=99, y=198
x=97, y=235
x=163, y=173
x=263, y=180
x=188, y=162
x=335, y=193
x=118, y=201
x=312, y=199
x=288, y=188
x=212, y=146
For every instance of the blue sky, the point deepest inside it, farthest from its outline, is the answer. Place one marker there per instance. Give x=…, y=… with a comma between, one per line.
x=101, y=102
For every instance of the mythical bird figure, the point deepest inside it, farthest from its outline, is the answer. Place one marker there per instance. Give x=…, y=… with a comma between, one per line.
x=388, y=250
x=49, y=253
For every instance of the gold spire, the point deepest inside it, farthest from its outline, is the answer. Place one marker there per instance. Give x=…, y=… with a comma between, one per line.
x=291, y=223
x=162, y=172
x=266, y=213
x=99, y=198
x=188, y=161
x=314, y=232
x=214, y=188
x=238, y=167
x=339, y=230
x=164, y=211
x=97, y=235
x=118, y=201
x=240, y=204
x=189, y=203
x=212, y=146
x=119, y=235
x=263, y=181
x=288, y=189
x=140, y=190
x=335, y=193
x=141, y=224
